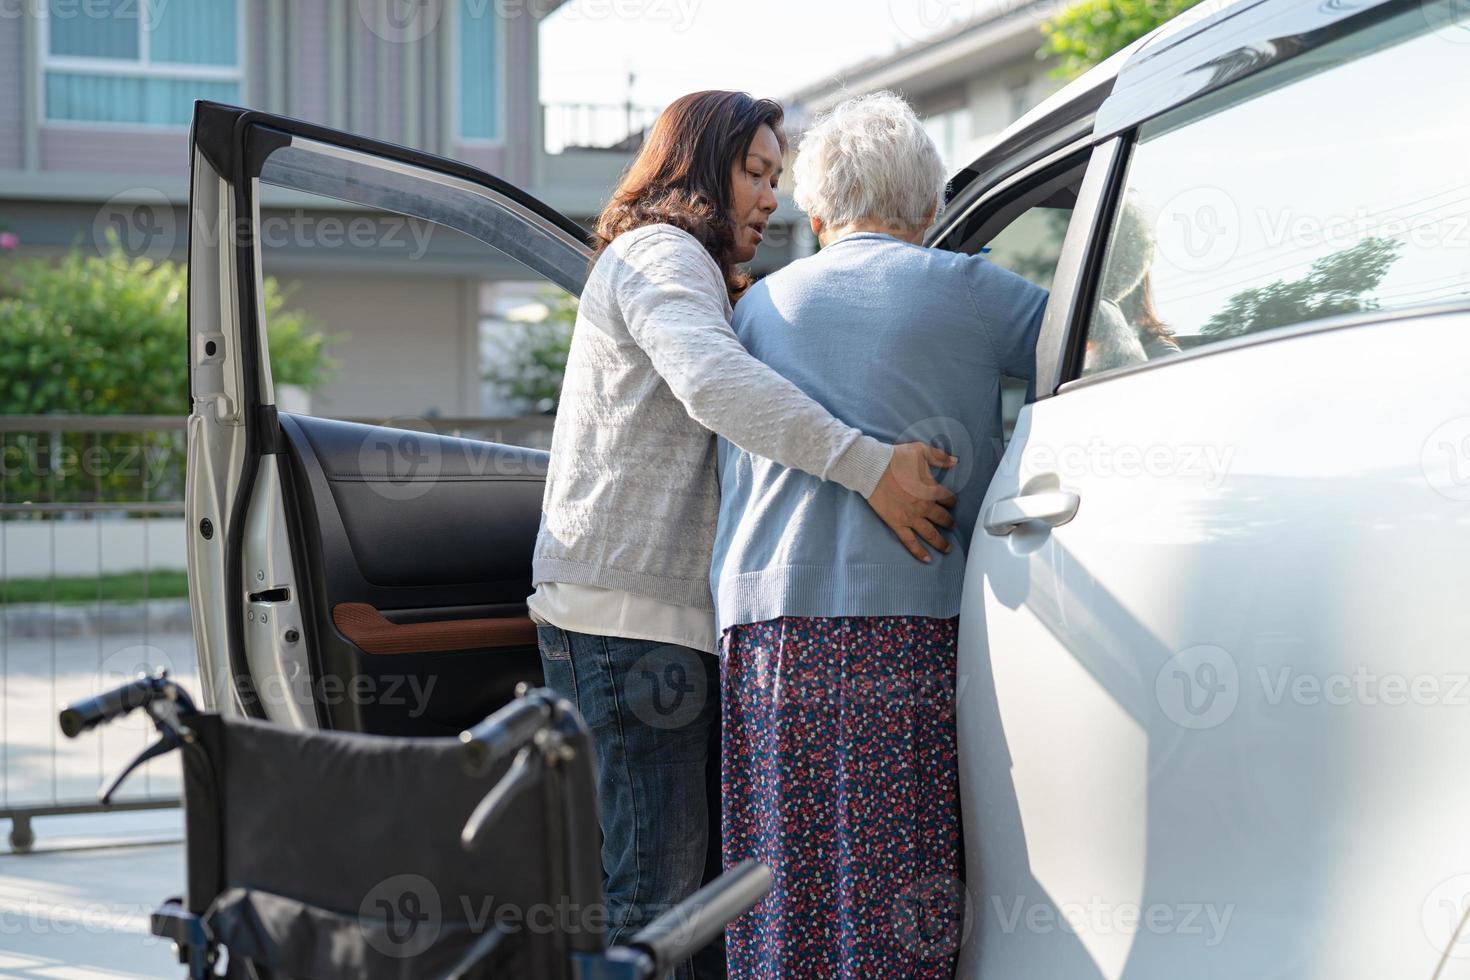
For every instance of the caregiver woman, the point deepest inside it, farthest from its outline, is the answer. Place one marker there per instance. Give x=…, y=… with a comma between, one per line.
x=621, y=570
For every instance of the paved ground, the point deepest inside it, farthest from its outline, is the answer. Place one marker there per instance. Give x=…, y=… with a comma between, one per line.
x=73, y=909
x=38, y=676
x=78, y=906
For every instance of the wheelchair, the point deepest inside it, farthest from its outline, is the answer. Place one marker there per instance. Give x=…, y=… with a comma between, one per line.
x=321, y=855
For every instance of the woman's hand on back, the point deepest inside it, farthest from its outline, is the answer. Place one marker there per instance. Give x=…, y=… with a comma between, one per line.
x=911, y=502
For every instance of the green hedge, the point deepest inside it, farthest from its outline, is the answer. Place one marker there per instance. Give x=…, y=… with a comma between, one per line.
x=107, y=335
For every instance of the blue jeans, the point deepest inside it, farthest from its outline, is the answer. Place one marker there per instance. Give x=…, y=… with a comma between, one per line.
x=654, y=712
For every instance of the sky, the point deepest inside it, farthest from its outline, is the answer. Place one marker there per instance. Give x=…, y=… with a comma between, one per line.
x=767, y=47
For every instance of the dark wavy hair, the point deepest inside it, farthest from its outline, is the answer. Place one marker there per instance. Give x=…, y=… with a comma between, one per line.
x=1138, y=308
x=681, y=176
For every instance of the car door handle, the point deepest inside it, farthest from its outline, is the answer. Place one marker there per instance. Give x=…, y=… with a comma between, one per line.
x=1052, y=507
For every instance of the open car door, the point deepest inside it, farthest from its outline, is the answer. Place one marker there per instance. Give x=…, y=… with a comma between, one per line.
x=343, y=575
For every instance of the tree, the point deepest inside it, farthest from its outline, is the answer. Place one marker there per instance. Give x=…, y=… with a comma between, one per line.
x=1086, y=33
x=107, y=335
x=534, y=363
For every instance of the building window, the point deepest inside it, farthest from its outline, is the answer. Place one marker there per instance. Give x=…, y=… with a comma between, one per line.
x=1020, y=98
x=953, y=134
x=122, y=61
x=479, y=63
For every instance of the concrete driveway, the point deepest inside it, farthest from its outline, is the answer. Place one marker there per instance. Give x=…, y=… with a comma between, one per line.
x=78, y=905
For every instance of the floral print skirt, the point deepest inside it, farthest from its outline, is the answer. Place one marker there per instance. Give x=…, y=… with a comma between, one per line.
x=838, y=772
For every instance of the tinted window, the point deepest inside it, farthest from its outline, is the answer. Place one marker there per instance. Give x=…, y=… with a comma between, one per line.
x=1031, y=245
x=428, y=323
x=1023, y=231
x=1334, y=183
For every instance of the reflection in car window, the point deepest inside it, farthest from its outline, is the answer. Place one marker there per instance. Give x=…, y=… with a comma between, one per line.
x=1329, y=184
x=1030, y=247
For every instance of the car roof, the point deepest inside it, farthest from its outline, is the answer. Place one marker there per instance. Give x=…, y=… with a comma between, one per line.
x=1228, y=44
x=1204, y=48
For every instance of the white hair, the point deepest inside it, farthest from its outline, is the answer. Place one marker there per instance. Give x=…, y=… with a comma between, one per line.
x=869, y=159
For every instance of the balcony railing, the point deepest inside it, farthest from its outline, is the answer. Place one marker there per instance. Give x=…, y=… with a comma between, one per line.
x=590, y=126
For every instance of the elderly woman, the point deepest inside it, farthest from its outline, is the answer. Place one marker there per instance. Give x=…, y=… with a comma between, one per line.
x=838, y=651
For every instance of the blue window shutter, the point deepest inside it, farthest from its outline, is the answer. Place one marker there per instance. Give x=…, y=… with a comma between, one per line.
x=97, y=29
x=479, y=95
x=177, y=32
x=120, y=99
x=193, y=32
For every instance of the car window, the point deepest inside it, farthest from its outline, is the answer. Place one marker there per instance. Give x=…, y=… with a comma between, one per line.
x=1333, y=183
x=397, y=294
x=1031, y=245
x=1024, y=233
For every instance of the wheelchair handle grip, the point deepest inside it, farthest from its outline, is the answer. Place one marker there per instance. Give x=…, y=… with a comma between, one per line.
x=505, y=731
x=81, y=716
x=692, y=924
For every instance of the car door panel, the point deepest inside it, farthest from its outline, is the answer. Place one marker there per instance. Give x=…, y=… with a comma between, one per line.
x=393, y=491
x=430, y=534
x=1204, y=720
x=1162, y=728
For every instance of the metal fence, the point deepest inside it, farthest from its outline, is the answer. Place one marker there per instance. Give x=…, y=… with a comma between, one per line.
x=93, y=589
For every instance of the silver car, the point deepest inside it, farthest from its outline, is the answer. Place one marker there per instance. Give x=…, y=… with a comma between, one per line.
x=1214, y=680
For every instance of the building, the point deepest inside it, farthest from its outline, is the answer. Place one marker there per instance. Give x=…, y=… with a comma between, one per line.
x=968, y=82
x=95, y=102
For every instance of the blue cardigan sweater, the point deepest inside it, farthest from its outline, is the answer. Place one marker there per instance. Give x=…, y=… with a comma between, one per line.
x=905, y=343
